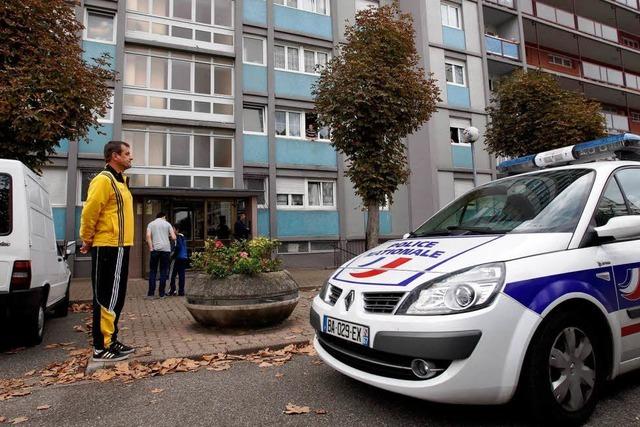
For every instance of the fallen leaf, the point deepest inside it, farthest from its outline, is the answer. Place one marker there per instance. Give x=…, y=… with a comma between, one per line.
x=157, y=390
x=295, y=409
x=279, y=375
x=317, y=362
x=19, y=420
x=50, y=346
x=15, y=350
x=43, y=407
x=320, y=411
x=296, y=330
x=3, y=419
x=78, y=328
x=265, y=365
x=20, y=393
x=29, y=373
x=290, y=337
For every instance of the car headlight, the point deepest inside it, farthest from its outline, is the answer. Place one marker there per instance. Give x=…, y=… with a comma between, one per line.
x=461, y=291
x=324, y=291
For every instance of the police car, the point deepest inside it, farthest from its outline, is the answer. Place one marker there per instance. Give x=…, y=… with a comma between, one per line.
x=530, y=283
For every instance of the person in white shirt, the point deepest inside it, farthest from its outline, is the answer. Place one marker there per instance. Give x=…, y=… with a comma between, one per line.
x=159, y=231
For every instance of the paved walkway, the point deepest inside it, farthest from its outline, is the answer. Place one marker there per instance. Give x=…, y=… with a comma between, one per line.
x=163, y=328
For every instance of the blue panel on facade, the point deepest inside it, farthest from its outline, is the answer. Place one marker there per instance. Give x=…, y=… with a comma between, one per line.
x=307, y=223
x=263, y=222
x=510, y=50
x=453, y=37
x=493, y=45
x=254, y=78
x=297, y=85
x=95, y=142
x=256, y=148
x=385, y=222
x=305, y=152
x=255, y=12
x=458, y=96
x=94, y=50
x=461, y=155
x=301, y=21
x=59, y=221
x=64, y=146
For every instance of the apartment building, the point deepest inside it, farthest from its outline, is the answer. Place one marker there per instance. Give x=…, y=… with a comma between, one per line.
x=215, y=98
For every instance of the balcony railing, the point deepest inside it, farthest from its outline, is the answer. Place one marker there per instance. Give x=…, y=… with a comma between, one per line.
x=506, y=3
x=502, y=47
x=616, y=122
x=597, y=29
x=603, y=74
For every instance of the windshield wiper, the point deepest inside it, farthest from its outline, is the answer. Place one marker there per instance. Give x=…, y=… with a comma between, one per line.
x=473, y=230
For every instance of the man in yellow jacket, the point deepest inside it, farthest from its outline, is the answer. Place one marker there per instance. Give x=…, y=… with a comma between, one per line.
x=106, y=230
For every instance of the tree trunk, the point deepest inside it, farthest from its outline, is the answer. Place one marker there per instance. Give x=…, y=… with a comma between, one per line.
x=373, y=221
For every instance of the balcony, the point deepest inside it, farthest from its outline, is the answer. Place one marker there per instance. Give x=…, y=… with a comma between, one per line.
x=615, y=123
x=506, y=3
x=633, y=4
x=597, y=29
x=176, y=32
x=294, y=84
x=302, y=22
x=255, y=12
x=498, y=46
x=93, y=50
x=302, y=152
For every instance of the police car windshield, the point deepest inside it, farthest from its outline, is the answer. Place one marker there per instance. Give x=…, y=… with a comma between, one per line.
x=545, y=202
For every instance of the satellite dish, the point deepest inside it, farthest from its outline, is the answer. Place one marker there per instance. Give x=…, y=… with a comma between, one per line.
x=470, y=134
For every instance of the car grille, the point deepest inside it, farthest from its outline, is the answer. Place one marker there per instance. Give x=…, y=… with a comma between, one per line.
x=372, y=361
x=334, y=294
x=381, y=302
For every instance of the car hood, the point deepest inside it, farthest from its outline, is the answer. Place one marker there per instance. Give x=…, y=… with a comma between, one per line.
x=403, y=262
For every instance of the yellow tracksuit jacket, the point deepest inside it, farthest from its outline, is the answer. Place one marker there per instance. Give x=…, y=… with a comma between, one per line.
x=107, y=215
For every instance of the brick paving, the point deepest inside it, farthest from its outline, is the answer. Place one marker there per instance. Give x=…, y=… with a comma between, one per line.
x=169, y=330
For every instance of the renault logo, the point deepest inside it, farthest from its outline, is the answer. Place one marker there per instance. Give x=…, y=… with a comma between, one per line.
x=348, y=300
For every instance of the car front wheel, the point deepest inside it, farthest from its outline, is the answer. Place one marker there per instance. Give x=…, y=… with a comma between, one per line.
x=564, y=370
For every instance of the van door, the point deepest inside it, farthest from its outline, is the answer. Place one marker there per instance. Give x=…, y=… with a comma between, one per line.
x=6, y=228
x=622, y=197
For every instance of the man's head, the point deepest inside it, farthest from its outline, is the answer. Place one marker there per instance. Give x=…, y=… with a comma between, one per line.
x=176, y=228
x=243, y=216
x=118, y=155
x=161, y=215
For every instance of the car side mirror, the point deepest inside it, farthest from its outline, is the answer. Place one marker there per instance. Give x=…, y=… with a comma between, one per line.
x=620, y=227
x=406, y=235
x=69, y=248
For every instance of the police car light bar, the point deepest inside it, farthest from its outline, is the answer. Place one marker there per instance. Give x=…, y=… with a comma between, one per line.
x=610, y=146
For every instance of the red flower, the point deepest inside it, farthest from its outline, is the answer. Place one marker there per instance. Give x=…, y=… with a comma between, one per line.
x=219, y=244
x=243, y=255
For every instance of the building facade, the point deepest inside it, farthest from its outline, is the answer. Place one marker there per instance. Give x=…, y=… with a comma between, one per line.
x=215, y=98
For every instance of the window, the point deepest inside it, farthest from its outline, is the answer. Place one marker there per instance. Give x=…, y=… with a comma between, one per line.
x=288, y=123
x=259, y=184
x=454, y=71
x=315, y=6
x=6, y=205
x=100, y=27
x=364, y=4
x=85, y=180
x=635, y=116
x=253, y=50
x=208, y=12
x=283, y=199
x=629, y=180
x=450, y=15
x=108, y=116
x=253, y=119
x=313, y=131
x=305, y=247
x=632, y=43
x=560, y=60
x=300, y=59
x=611, y=204
x=320, y=193
x=456, y=127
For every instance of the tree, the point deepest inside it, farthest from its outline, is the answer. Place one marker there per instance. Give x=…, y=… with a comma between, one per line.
x=47, y=92
x=530, y=113
x=372, y=95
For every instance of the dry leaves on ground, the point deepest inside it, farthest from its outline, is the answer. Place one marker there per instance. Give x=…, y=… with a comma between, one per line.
x=19, y=420
x=157, y=390
x=15, y=350
x=321, y=411
x=81, y=307
x=292, y=409
x=43, y=407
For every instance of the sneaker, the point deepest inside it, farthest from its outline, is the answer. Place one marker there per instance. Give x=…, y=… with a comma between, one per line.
x=108, y=355
x=117, y=346
x=171, y=293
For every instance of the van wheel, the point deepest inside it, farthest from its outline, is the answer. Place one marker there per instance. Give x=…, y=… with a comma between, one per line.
x=35, y=325
x=564, y=370
x=62, y=308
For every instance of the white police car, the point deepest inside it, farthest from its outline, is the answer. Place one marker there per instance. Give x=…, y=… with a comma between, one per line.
x=529, y=283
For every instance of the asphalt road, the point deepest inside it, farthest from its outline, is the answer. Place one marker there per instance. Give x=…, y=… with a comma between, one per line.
x=249, y=395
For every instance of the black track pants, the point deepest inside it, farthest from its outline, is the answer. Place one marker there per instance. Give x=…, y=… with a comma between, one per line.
x=109, y=272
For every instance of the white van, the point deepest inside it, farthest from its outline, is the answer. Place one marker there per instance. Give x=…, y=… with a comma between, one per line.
x=530, y=283
x=34, y=275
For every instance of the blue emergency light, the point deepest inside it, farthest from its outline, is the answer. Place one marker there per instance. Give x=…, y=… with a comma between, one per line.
x=623, y=146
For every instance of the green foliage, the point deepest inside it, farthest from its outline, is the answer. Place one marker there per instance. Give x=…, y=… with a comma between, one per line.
x=530, y=113
x=240, y=257
x=47, y=92
x=372, y=95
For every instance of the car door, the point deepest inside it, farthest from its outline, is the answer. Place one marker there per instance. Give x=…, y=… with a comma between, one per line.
x=622, y=197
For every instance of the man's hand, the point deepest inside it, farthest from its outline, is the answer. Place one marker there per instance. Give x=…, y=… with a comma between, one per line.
x=86, y=247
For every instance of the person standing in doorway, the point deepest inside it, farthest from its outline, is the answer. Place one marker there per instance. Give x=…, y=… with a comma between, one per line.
x=159, y=231
x=240, y=228
x=106, y=230
x=180, y=262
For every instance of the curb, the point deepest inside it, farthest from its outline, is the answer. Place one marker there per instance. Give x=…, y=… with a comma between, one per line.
x=94, y=366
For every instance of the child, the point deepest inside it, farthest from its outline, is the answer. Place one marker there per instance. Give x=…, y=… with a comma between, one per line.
x=181, y=259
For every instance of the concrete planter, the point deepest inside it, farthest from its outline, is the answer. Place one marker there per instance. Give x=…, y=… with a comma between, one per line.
x=240, y=300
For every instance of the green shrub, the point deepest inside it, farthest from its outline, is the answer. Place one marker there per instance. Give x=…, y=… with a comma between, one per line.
x=240, y=257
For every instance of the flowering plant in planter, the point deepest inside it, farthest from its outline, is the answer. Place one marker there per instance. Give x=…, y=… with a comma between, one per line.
x=248, y=257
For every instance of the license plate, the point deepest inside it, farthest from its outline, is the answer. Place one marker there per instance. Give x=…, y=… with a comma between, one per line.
x=346, y=330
